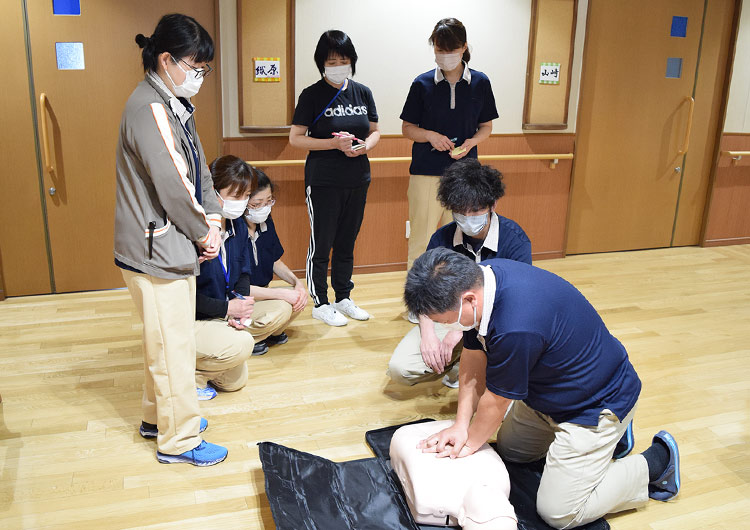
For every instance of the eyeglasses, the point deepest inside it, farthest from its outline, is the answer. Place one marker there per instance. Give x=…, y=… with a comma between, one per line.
x=259, y=206
x=199, y=72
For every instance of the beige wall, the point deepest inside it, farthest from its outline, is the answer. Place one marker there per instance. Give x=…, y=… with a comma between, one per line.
x=738, y=106
x=391, y=41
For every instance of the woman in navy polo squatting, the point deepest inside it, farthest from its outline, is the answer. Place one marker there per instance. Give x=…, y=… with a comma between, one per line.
x=275, y=307
x=448, y=111
x=223, y=306
x=336, y=121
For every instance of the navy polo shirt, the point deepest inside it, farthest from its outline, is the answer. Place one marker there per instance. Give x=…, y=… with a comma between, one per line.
x=211, y=281
x=505, y=239
x=547, y=345
x=267, y=251
x=428, y=106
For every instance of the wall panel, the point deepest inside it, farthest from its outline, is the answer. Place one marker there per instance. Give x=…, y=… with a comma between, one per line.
x=728, y=219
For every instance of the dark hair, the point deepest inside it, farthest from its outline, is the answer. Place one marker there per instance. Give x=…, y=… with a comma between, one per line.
x=334, y=42
x=450, y=34
x=262, y=182
x=181, y=36
x=468, y=186
x=437, y=279
x=232, y=172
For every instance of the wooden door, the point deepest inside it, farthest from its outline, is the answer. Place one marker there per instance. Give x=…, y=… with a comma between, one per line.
x=83, y=116
x=633, y=124
x=23, y=250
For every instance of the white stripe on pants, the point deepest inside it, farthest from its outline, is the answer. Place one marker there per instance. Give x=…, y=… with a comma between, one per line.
x=580, y=482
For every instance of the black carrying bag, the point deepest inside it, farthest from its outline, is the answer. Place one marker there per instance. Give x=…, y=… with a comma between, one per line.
x=307, y=492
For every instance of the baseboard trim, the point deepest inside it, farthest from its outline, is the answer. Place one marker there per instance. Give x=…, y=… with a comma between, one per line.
x=726, y=241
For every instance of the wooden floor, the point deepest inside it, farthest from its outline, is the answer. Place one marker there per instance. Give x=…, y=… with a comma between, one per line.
x=71, y=375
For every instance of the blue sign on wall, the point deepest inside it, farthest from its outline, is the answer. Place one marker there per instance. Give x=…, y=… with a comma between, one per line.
x=69, y=55
x=679, y=27
x=674, y=67
x=66, y=7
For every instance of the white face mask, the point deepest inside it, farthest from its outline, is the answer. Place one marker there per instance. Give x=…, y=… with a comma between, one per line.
x=457, y=326
x=258, y=215
x=471, y=225
x=190, y=86
x=337, y=74
x=233, y=208
x=448, y=61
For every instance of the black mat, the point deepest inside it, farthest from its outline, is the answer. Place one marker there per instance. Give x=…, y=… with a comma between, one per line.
x=307, y=492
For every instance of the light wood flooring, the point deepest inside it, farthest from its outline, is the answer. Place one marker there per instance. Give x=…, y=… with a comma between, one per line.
x=71, y=374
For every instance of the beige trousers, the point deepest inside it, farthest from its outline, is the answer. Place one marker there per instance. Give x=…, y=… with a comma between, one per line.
x=221, y=352
x=167, y=310
x=426, y=214
x=580, y=482
x=407, y=367
x=270, y=317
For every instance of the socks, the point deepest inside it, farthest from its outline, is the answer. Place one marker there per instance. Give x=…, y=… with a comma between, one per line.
x=657, y=458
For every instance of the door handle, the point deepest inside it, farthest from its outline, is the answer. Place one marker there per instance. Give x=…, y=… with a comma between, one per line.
x=686, y=140
x=45, y=134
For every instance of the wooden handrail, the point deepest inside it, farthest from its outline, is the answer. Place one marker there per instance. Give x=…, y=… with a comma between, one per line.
x=553, y=158
x=45, y=136
x=689, y=128
x=736, y=155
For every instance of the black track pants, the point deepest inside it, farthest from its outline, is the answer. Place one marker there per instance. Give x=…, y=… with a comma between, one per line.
x=335, y=218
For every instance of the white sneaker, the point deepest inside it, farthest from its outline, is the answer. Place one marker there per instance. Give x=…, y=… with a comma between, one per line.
x=352, y=310
x=328, y=314
x=451, y=378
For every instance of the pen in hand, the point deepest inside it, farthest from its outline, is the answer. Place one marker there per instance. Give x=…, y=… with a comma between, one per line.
x=452, y=140
x=348, y=136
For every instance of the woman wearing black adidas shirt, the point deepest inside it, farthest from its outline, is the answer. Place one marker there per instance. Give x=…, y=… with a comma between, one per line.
x=336, y=121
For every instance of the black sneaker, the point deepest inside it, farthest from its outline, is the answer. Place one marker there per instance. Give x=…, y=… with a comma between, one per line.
x=149, y=430
x=273, y=340
x=260, y=348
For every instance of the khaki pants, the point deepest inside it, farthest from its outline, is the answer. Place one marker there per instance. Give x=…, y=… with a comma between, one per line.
x=167, y=309
x=407, y=367
x=221, y=352
x=270, y=317
x=426, y=214
x=580, y=482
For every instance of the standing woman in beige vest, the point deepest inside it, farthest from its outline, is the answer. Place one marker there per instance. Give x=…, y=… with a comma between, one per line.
x=167, y=219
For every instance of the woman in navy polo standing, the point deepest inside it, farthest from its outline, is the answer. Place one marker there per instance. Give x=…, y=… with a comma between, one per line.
x=448, y=111
x=336, y=121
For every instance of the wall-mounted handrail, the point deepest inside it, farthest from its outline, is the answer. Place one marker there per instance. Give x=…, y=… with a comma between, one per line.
x=553, y=158
x=736, y=155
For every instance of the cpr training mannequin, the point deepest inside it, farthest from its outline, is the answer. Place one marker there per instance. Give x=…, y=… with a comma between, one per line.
x=471, y=492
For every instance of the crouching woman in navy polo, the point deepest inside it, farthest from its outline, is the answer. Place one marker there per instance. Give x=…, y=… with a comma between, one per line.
x=223, y=305
x=275, y=307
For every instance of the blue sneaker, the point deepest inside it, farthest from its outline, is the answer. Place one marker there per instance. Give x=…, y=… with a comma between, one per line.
x=206, y=454
x=149, y=430
x=668, y=484
x=204, y=394
x=626, y=443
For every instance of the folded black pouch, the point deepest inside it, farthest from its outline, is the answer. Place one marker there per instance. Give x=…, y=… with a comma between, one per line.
x=307, y=492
